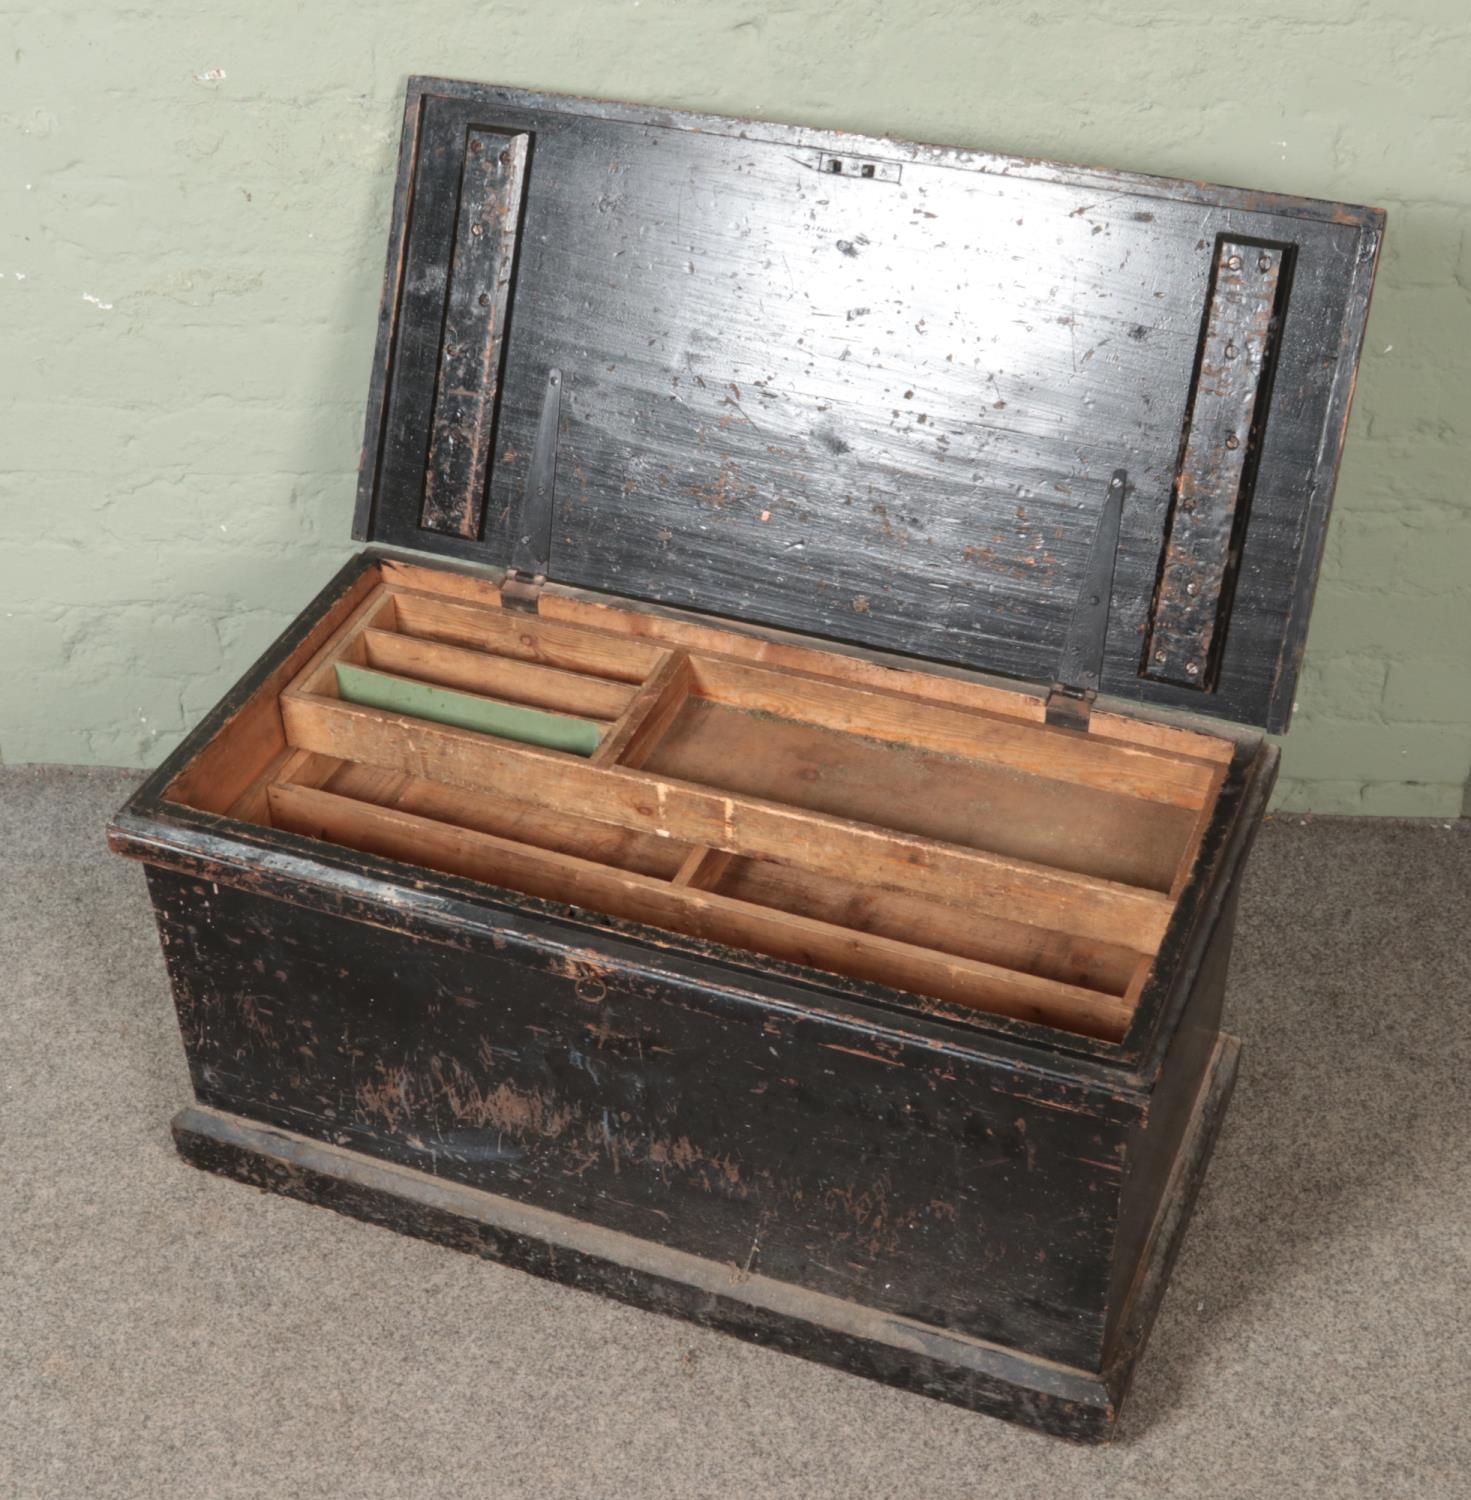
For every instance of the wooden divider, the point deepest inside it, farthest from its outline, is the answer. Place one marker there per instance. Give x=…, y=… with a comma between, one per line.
x=526, y=637
x=964, y=932
x=796, y=939
x=496, y=676
x=884, y=713
x=1036, y=749
x=654, y=706
x=1014, y=889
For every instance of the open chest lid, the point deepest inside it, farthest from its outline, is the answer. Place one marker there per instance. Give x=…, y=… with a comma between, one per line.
x=870, y=391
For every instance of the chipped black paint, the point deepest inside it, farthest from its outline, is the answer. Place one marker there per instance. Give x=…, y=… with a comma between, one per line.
x=929, y=1361
x=475, y=298
x=912, y=1168
x=663, y=1110
x=1224, y=436
x=931, y=1196
x=763, y=360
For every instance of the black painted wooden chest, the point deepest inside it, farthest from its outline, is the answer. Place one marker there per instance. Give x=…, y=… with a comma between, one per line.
x=713, y=877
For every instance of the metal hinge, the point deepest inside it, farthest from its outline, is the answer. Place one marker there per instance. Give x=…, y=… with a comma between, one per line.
x=531, y=543
x=1070, y=703
x=518, y=591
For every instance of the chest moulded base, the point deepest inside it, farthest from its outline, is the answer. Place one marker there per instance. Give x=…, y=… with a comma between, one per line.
x=758, y=833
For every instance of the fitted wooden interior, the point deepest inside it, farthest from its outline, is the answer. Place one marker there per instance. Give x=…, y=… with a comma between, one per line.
x=928, y=833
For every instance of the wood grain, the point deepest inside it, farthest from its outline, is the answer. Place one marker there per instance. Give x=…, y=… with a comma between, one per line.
x=1038, y=750
x=796, y=939
x=496, y=676
x=525, y=638
x=633, y=738
x=1003, y=887
x=879, y=409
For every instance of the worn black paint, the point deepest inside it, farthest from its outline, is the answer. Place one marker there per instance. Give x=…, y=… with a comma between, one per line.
x=477, y=297
x=928, y=1195
x=855, y=1162
x=984, y=1178
x=873, y=409
x=1224, y=432
x=986, y=1378
x=867, y=1170
x=1080, y=667
x=533, y=519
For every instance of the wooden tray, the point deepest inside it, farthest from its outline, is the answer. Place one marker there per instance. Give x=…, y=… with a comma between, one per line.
x=907, y=829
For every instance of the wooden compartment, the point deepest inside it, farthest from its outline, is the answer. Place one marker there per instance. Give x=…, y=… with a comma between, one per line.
x=920, y=832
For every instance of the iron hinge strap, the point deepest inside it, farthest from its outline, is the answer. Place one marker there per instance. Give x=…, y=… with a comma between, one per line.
x=1080, y=668
x=531, y=541
x=518, y=591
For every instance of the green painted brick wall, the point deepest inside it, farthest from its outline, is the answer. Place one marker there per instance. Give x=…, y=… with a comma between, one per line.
x=193, y=199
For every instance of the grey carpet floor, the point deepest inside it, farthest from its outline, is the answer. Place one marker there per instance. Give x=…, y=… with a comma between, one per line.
x=165, y=1333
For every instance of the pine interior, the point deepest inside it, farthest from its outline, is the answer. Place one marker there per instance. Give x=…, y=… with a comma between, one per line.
x=923, y=832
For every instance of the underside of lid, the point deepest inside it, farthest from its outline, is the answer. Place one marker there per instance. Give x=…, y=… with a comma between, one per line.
x=867, y=390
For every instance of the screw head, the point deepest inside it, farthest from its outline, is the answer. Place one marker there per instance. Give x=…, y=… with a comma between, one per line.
x=1234, y=263
x=1192, y=669
x=1231, y=351
x=1264, y=263
x=1159, y=656
x=1232, y=441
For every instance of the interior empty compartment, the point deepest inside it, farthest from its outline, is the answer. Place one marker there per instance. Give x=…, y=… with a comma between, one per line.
x=949, y=797
x=523, y=638
x=892, y=828
x=1106, y=968
x=510, y=678
x=458, y=806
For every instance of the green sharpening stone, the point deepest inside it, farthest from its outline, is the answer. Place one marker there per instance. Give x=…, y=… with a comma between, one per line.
x=509, y=721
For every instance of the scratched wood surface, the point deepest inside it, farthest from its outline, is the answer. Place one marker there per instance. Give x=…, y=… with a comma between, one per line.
x=979, y=1175
x=887, y=1174
x=869, y=390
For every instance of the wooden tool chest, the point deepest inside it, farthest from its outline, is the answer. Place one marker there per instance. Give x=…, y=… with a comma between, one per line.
x=711, y=876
